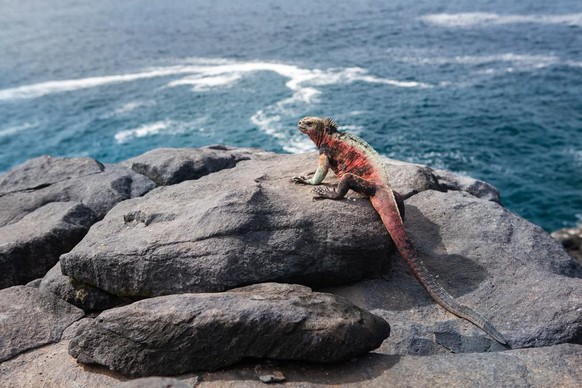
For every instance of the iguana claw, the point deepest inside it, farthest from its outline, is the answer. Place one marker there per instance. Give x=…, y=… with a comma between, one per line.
x=300, y=179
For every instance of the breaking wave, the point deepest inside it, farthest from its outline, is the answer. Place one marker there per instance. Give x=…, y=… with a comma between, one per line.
x=204, y=75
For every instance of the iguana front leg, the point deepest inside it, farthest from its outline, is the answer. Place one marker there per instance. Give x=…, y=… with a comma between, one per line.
x=320, y=173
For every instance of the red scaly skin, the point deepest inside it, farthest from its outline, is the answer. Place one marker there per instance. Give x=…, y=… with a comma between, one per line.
x=359, y=167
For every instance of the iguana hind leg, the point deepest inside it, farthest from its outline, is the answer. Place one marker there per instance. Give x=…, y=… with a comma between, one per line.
x=347, y=182
x=359, y=185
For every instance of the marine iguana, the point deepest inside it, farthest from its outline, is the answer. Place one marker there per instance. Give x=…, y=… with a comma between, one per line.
x=360, y=168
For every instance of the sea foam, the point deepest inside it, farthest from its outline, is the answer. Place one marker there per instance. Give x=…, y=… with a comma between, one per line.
x=472, y=19
x=206, y=75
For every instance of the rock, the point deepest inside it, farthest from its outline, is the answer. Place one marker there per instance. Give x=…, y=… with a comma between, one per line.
x=176, y=334
x=45, y=171
x=52, y=366
x=456, y=182
x=32, y=245
x=34, y=283
x=48, y=179
x=506, y=268
x=82, y=295
x=241, y=226
x=154, y=382
x=571, y=240
x=555, y=366
x=168, y=166
x=269, y=376
x=409, y=179
x=30, y=318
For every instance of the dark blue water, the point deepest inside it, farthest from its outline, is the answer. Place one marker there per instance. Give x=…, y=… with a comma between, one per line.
x=489, y=89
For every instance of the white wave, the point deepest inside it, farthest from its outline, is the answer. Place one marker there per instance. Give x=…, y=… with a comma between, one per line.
x=269, y=124
x=575, y=155
x=142, y=131
x=299, y=145
x=129, y=107
x=161, y=127
x=16, y=129
x=472, y=19
x=201, y=84
x=205, y=74
x=50, y=87
x=522, y=59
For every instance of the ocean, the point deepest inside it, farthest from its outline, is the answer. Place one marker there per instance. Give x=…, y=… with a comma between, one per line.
x=490, y=89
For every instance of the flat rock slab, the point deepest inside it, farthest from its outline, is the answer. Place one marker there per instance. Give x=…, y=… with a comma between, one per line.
x=155, y=382
x=554, y=366
x=490, y=259
x=32, y=245
x=30, y=318
x=168, y=166
x=180, y=333
x=241, y=226
x=46, y=179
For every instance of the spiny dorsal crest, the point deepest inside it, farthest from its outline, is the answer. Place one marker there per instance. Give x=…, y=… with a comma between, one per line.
x=330, y=124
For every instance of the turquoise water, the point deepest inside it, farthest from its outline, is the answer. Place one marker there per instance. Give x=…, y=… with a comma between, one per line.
x=489, y=89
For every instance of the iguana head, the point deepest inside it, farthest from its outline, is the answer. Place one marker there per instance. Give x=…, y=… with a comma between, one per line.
x=317, y=128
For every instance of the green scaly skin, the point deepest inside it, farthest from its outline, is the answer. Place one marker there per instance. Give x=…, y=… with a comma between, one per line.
x=359, y=167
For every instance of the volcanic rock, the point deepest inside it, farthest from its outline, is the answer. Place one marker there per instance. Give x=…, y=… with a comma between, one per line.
x=168, y=166
x=30, y=318
x=33, y=244
x=176, y=334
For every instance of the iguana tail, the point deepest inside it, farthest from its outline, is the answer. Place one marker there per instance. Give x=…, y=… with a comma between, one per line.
x=385, y=204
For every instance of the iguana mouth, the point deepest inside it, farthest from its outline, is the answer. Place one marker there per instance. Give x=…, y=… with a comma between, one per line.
x=302, y=128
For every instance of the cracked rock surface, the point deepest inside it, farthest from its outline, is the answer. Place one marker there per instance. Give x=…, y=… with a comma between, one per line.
x=30, y=318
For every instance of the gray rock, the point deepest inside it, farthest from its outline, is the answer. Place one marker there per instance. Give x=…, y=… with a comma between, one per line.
x=410, y=178
x=246, y=225
x=554, y=366
x=34, y=283
x=477, y=188
x=154, y=382
x=51, y=366
x=508, y=269
x=168, y=166
x=47, y=179
x=32, y=245
x=30, y=318
x=180, y=333
x=571, y=240
x=82, y=295
x=45, y=171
